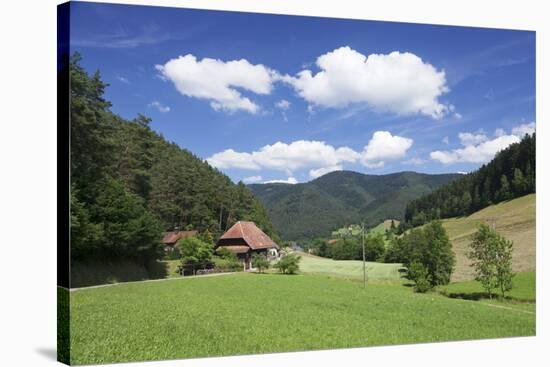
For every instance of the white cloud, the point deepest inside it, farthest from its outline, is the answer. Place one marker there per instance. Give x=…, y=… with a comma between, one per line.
x=314, y=173
x=290, y=180
x=252, y=179
x=316, y=156
x=478, y=148
x=383, y=147
x=480, y=153
x=232, y=159
x=500, y=132
x=414, y=161
x=521, y=130
x=397, y=82
x=217, y=81
x=445, y=140
x=159, y=106
x=468, y=139
x=457, y=115
x=286, y=157
x=283, y=104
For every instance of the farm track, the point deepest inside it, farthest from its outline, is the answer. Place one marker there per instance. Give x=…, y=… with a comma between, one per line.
x=148, y=281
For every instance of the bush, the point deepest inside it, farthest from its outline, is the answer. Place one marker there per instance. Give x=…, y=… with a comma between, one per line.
x=260, y=262
x=420, y=276
x=289, y=264
x=195, y=253
x=224, y=265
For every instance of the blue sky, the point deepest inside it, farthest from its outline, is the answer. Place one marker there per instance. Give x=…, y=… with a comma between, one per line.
x=270, y=97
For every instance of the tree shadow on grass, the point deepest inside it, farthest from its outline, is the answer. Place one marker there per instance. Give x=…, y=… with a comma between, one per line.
x=478, y=296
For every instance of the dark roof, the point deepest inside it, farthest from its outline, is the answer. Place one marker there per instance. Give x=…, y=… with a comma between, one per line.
x=172, y=237
x=237, y=249
x=250, y=234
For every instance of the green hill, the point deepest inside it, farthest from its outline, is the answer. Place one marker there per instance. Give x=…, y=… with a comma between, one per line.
x=514, y=219
x=315, y=208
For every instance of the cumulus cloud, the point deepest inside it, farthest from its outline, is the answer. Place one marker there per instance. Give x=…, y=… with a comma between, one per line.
x=479, y=153
x=232, y=159
x=500, y=132
x=468, y=139
x=159, y=106
x=314, y=173
x=252, y=179
x=316, y=156
x=217, y=81
x=397, y=82
x=478, y=148
x=383, y=147
x=286, y=157
x=524, y=129
x=290, y=180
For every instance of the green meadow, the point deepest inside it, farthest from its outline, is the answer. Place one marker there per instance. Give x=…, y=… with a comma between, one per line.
x=352, y=269
x=247, y=313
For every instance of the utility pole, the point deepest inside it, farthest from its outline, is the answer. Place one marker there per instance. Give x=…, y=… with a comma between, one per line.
x=364, y=265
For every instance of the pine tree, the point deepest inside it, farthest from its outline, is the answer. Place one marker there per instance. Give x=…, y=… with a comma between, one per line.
x=519, y=183
x=504, y=190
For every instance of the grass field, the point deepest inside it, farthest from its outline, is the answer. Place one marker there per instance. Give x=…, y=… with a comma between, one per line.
x=259, y=313
x=514, y=219
x=352, y=269
x=524, y=289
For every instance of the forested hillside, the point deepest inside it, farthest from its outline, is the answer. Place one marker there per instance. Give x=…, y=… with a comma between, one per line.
x=129, y=184
x=315, y=208
x=510, y=174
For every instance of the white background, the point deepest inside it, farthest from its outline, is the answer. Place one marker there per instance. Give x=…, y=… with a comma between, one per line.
x=28, y=181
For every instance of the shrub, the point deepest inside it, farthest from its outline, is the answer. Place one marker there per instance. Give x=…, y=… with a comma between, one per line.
x=288, y=264
x=420, y=276
x=195, y=252
x=223, y=265
x=260, y=262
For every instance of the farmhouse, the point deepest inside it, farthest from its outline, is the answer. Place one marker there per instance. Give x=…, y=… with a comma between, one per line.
x=169, y=239
x=244, y=239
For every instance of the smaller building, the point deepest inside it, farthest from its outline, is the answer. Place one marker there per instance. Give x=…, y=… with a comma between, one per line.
x=169, y=239
x=244, y=239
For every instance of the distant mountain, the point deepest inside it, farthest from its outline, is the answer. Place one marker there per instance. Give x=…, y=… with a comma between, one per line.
x=315, y=208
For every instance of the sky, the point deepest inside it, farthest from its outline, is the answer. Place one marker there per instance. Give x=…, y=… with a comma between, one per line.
x=277, y=98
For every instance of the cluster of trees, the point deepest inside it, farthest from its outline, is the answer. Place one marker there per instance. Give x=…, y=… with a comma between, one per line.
x=129, y=184
x=510, y=174
x=347, y=244
x=427, y=254
x=351, y=248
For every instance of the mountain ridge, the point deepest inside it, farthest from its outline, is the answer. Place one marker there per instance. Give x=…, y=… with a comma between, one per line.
x=314, y=208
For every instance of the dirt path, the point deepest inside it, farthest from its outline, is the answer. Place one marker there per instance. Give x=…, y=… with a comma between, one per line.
x=508, y=308
x=151, y=280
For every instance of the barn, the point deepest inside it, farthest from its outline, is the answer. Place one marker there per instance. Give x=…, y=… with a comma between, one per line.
x=244, y=239
x=169, y=239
